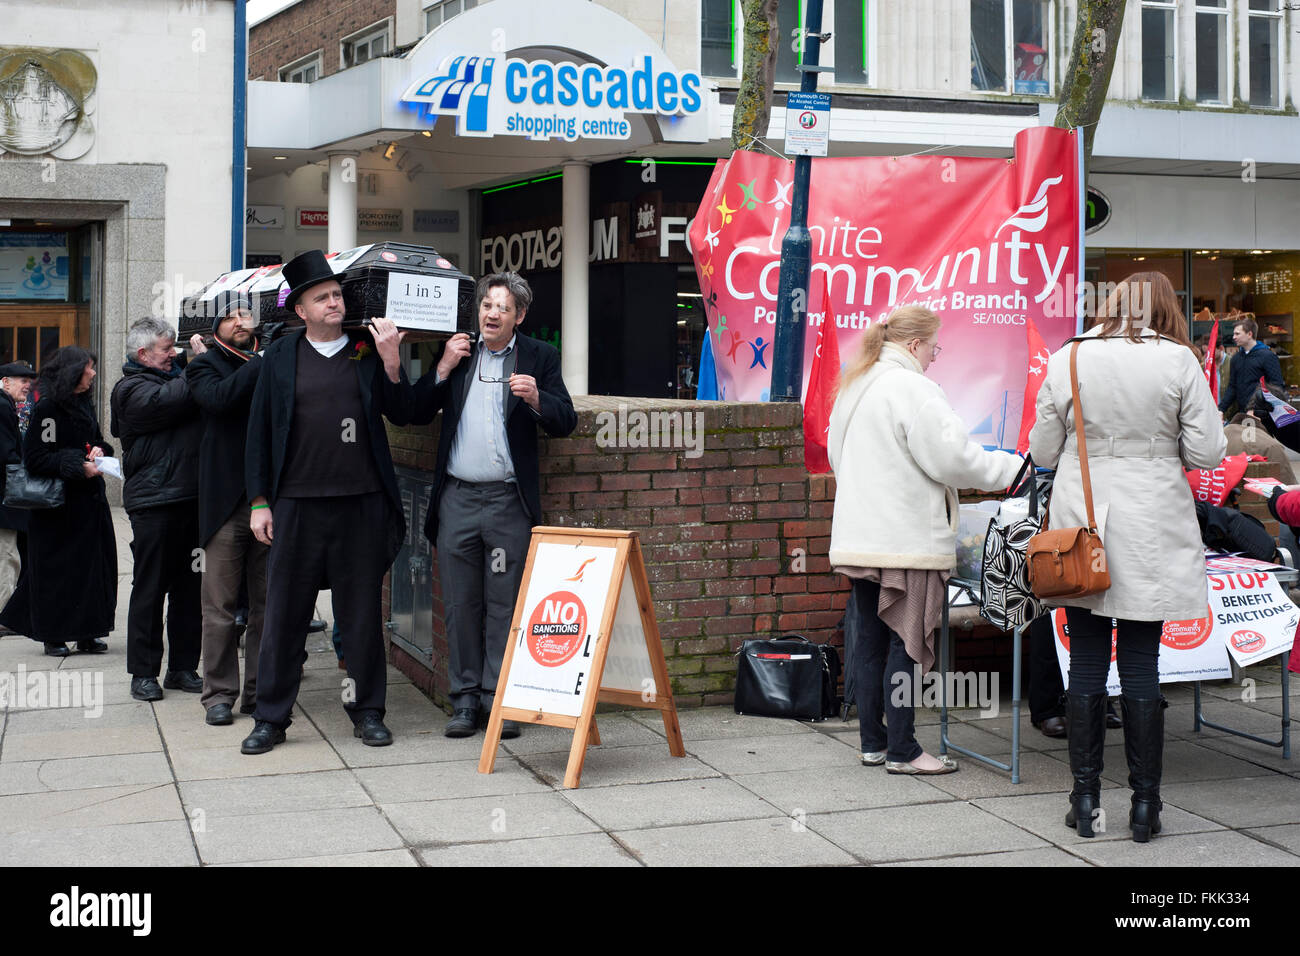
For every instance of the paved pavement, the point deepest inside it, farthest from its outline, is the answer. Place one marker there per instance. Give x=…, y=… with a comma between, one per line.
x=153, y=785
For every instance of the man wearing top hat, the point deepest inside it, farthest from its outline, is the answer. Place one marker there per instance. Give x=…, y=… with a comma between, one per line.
x=323, y=496
x=15, y=382
x=222, y=380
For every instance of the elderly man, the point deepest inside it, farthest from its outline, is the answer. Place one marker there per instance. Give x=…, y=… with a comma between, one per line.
x=323, y=495
x=222, y=380
x=15, y=382
x=156, y=418
x=486, y=495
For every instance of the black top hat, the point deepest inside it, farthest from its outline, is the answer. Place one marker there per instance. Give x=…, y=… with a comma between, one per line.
x=17, y=370
x=304, y=271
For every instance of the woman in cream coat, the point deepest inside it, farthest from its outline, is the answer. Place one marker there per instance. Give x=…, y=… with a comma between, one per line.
x=1149, y=415
x=899, y=452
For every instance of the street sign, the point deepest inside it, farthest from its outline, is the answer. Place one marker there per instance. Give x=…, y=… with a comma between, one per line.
x=807, y=124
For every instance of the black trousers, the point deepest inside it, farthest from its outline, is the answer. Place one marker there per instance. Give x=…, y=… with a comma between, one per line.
x=1045, y=685
x=318, y=543
x=1137, y=653
x=166, y=565
x=879, y=654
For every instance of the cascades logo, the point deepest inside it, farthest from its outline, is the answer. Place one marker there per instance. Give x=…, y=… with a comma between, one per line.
x=495, y=96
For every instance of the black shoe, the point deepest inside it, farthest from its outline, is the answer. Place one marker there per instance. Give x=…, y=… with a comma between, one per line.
x=1052, y=727
x=248, y=708
x=1086, y=715
x=316, y=626
x=146, y=688
x=509, y=729
x=188, y=681
x=92, y=646
x=220, y=715
x=57, y=650
x=1144, y=743
x=264, y=737
x=463, y=723
x=1112, y=719
x=372, y=731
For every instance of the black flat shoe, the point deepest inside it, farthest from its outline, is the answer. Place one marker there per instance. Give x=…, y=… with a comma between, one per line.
x=263, y=738
x=220, y=715
x=92, y=646
x=57, y=650
x=372, y=731
x=510, y=729
x=188, y=681
x=462, y=724
x=146, y=688
x=1053, y=727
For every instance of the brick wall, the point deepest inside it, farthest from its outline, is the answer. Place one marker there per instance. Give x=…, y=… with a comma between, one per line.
x=735, y=540
x=306, y=27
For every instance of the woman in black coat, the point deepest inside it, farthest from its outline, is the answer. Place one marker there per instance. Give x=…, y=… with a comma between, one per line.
x=68, y=590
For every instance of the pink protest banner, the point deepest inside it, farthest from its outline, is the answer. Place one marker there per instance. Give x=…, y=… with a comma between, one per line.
x=989, y=244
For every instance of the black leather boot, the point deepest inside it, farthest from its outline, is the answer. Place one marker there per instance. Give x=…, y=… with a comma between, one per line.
x=1086, y=715
x=1144, y=745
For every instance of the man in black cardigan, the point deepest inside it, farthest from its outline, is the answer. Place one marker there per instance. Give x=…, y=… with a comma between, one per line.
x=317, y=455
x=222, y=380
x=486, y=495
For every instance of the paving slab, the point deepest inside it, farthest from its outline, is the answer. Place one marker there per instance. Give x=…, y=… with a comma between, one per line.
x=1044, y=815
x=1050, y=856
x=921, y=832
x=1031, y=738
x=676, y=802
x=777, y=842
x=1260, y=756
x=487, y=819
x=304, y=833
x=840, y=788
x=1039, y=773
x=712, y=723
x=81, y=773
x=1212, y=851
x=616, y=730
x=784, y=752
x=44, y=721
x=373, y=858
x=1286, y=837
x=277, y=793
x=296, y=755
x=90, y=741
x=416, y=783
x=164, y=843
x=614, y=766
x=1258, y=801
x=100, y=807
x=586, y=849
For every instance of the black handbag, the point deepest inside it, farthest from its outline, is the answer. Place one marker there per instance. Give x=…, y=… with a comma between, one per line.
x=29, y=492
x=1006, y=599
x=789, y=677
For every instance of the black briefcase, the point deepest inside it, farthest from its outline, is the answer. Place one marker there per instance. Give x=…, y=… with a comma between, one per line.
x=789, y=677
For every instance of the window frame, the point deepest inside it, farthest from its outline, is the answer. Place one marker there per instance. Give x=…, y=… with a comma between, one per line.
x=316, y=59
x=368, y=34
x=1175, y=87
x=1226, y=16
x=869, y=48
x=1009, y=52
x=439, y=6
x=1279, y=65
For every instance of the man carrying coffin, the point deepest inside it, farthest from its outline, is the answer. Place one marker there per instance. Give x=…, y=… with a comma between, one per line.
x=323, y=496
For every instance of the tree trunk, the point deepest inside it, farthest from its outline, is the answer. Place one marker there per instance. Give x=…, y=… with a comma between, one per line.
x=754, y=99
x=1097, y=27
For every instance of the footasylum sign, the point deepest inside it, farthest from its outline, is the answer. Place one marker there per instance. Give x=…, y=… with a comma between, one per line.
x=492, y=95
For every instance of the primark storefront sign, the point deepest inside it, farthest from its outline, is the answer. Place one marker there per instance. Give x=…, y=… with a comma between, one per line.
x=495, y=96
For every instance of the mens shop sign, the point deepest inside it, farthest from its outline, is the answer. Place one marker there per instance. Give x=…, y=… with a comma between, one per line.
x=495, y=96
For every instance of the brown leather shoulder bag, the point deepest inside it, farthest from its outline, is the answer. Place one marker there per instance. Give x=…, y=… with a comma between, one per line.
x=1070, y=562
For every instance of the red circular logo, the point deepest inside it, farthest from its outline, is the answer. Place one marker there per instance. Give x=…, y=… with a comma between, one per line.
x=557, y=628
x=388, y=257
x=1185, y=635
x=1247, y=641
x=444, y=264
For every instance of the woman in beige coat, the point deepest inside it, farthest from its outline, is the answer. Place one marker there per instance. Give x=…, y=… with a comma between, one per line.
x=1149, y=415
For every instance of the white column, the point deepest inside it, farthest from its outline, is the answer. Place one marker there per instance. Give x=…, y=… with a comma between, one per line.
x=342, y=200
x=575, y=247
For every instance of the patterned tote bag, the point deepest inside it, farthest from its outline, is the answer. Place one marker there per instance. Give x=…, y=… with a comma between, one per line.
x=1006, y=600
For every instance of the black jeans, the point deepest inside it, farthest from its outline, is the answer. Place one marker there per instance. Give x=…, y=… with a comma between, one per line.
x=878, y=654
x=165, y=567
x=1137, y=650
x=1045, y=686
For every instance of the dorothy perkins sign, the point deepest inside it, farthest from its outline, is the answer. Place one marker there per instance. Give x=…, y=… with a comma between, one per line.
x=496, y=96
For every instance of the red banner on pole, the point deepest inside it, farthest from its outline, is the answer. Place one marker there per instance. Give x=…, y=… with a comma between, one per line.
x=820, y=396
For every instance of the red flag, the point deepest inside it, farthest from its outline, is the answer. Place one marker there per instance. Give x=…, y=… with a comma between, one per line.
x=1035, y=372
x=1211, y=365
x=822, y=385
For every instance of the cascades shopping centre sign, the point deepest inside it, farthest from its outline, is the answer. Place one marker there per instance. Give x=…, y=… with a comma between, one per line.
x=495, y=96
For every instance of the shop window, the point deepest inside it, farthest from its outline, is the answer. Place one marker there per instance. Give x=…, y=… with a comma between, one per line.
x=438, y=14
x=1212, y=30
x=789, y=17
x=306, y=70
x=1009, y=44
x=718, y=54
x=366, y=45
x=1159, y=50
x=1262, y=34
x=852, y=39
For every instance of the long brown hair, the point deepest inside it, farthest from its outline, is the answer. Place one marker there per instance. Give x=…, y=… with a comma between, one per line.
x=1144, y=300
x=900, y=327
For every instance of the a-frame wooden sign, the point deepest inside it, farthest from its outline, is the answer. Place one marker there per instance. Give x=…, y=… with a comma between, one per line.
x=584, y=619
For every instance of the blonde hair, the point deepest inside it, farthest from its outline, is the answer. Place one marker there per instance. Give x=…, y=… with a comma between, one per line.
x=900, y=327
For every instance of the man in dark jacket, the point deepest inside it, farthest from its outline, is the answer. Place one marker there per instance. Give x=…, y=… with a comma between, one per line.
x=486, y=493
x=15, y=382
x=1254, y=361
x=317, y=456
x=222, y=380
x=156, y=418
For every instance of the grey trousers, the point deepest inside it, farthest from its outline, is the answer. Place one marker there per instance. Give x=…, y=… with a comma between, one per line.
x=483, y=536
x=232, y=552
x=10, y=564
